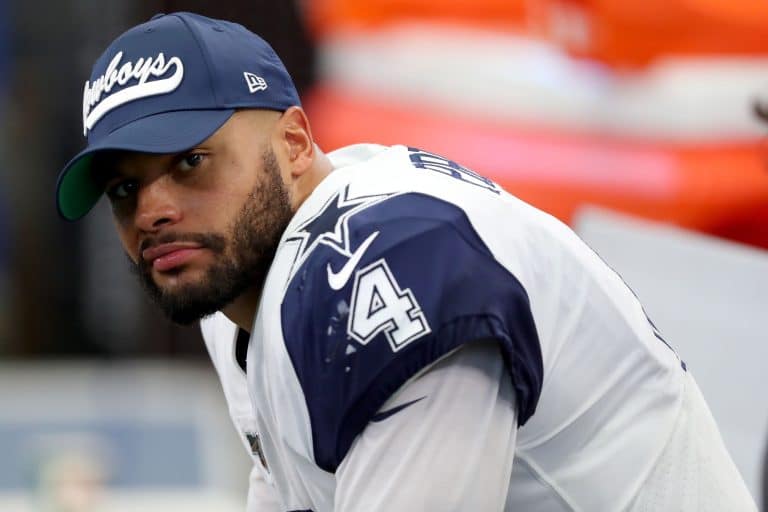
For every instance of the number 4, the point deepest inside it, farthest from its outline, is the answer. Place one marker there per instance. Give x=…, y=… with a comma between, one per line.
x=378, y=304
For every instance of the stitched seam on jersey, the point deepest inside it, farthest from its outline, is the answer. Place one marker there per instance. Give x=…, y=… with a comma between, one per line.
x=542, y=477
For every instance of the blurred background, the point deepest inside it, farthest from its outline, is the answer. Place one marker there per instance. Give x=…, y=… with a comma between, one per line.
x=632, y=120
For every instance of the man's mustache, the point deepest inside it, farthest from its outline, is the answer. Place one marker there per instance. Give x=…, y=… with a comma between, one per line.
x=211, y=241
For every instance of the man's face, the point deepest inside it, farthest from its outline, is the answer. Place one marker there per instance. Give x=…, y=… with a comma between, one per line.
x=201, y=227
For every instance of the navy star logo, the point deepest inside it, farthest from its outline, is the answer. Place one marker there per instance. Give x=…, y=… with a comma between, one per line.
x=325, y=223
x=329, y=225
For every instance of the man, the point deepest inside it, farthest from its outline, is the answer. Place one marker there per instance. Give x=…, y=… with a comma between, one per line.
x=419, y=338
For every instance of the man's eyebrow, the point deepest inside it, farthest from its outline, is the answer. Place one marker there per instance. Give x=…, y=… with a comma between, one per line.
x=102, y=176
x=104, y=167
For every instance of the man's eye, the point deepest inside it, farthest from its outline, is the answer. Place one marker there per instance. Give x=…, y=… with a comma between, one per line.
x=123, y=189
x=190, y=161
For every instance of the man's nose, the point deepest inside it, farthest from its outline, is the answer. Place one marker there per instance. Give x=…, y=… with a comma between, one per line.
x=156, y=206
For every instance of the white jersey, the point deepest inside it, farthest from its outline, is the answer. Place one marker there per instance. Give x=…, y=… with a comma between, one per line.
x=426, y=341
x=224, y=340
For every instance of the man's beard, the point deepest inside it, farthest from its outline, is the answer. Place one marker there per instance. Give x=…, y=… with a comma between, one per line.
x=241, y=262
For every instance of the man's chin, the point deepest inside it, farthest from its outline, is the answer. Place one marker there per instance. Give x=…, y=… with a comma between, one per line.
x=189, y=304
x=185, y=295
x=187, y=317
x=177, y=278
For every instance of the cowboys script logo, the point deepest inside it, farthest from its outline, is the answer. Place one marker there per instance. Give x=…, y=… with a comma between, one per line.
x=117, y=74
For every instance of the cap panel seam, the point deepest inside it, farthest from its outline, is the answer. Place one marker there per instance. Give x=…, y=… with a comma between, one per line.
x=206, y=58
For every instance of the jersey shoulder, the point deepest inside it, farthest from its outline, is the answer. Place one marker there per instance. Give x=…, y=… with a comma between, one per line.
x=386, y=290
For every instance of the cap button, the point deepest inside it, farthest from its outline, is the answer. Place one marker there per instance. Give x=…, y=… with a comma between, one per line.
x=158, y=15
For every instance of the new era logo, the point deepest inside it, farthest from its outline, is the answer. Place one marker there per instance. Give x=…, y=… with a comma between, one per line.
x=255, y=83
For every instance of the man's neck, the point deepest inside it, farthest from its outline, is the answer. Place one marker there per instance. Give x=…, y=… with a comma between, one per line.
x=243, y=309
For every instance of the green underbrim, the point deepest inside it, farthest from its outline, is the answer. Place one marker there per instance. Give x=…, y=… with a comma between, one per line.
x=78, y=191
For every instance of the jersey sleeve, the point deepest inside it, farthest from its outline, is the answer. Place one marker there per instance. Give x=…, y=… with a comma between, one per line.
x=456, y=422
x=423, y=284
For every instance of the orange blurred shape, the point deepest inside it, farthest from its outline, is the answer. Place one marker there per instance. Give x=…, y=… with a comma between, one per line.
x=325, y=16
x=721, y=189
x=630, y=33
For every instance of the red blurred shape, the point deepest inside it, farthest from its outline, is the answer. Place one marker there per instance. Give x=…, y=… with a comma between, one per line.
x=325, y=16
x=635, y=32
x=721, y=189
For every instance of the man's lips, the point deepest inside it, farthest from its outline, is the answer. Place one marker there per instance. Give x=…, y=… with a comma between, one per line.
x=165, y=257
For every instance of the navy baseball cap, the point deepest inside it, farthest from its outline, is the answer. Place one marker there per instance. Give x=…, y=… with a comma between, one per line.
x=165, y=86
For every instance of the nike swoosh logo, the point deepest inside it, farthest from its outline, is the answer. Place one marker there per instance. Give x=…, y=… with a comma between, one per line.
x=337, y=280
x=381, y=416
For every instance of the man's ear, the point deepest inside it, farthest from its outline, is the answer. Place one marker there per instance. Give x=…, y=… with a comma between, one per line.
x=295, y=140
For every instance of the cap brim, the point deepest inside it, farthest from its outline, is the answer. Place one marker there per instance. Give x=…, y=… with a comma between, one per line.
x=169, y=132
